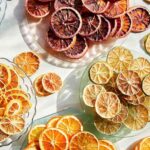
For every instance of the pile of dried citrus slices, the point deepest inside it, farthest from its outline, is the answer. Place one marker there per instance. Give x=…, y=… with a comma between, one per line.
x=76, y=24
x=119, y=92
x=66, y=133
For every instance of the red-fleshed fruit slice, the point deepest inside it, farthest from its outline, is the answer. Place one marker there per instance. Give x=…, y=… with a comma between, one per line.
x=96, y=6
x=46, y=0
x=140, y=19
x=113, y=23
x=59, y=44
x=37, y=9
x=66, y=22
x=103, y=32
x=90, y=24
x=3, y=136
x=78, y=50
x=116, y=8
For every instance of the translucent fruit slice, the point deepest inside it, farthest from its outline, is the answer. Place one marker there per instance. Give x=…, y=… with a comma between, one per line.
x=53, y=122
x=145, y=144
x=66, y=22
x=147, y=44
x=137, y=117
x=113, y=23
x=2, y=111
x=119, y=58
x=108, y=144
x=3, y=136
x=33, y=146
x=84, y=140
x=146, y=85
x=146, y=103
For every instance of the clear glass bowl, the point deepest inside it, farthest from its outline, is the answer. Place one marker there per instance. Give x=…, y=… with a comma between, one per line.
x=26, y=85
x=3, y=6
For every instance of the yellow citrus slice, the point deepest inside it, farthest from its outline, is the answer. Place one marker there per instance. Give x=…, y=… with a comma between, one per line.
x=70, y=125
x=107, y=143
x=119, y=58
x=35, y=133
x=141, y=66
x=107, y=105
x=146, y=103
x=53, y=122
x=3, y=136
x=2, y=110
x=12, y=124
x=100, y=73
x=137, y=117
x=90, y=94
x=84, y=140
x=53, y=138
x=147, y=43
x=145, y=144
x=146, y=85
x=129, y=83
x=33, y=146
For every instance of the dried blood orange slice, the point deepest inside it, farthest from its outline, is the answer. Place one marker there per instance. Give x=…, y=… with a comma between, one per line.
x=44, y=1
x=147, y=44
x=53, y=122
x=78, y=50
x=137, y=117
x=3, y=136
x=66, y=22
x=140, y=19
x=59, y=44
x=90, y=94
x=114, y=25
x=84, y=140
x=146, y=85
x=33, y=146
x=146, y=103
x=108, y=144
x=107, y=105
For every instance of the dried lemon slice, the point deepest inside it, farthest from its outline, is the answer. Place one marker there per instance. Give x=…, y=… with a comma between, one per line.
x=146, y=103
x=147, y=44
x=146, y=85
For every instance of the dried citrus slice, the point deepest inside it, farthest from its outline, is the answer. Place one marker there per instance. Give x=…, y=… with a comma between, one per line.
x=35, y=132
x=147, y=44
x=107, y=105
x=52, y=82
x=3, y=100
x=28, y=62
x=84, y=140
x=146, y=85
x=129, y=83
x=100, y=72
x=108, y=144
x=119, y=58
x=137, y=117
x=113, y=23
x=2, y=110
x=3, y=136
x=141, y=66
x=53, y=138
x=70, y=125
x=66, y=22
x=90, y=94
x=146, y=103
x=53, y=122
x=140, y=19
x=12, y=125
x=145, y=144
x=33, y=146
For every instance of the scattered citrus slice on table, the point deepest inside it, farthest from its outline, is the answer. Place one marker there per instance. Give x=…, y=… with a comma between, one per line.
x=33, y=146
x=145, y=144
x=146, y=85
x=147, y=44
x=53, y=122
x=146, y=103
x=110, y=145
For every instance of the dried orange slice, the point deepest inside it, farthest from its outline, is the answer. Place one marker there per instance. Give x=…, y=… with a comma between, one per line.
x=141, y=66
x=146, y=85
x=108, y=144
x=90, y=94
x=28, y=62
x=52, y=82
x=119, y=58
x=129, y=83
x=53, y=138
x=84, y=140
x=3, y=100
x=12, y=125
x=107, y=105
x=3, y=136
x=2, y=110
x=137, y=117
x=53, y=122
x=35, y=132
x=100, y=73
x=145, y=144
x=146, y=103
x=33, y=146
x=147, y=44
x=70, y=125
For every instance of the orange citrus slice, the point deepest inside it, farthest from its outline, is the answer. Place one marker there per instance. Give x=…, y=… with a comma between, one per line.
x=146, y=85
x=90, y=94
x=107, y=143
x=3, y=136
x=33, y=146
x=147, y=44
x=145, y=144
x=53, y=122
x=146, y=103
x=53, y=138
x=3, y=100
x=2, y=111
x=119, y=58
x=84, y=140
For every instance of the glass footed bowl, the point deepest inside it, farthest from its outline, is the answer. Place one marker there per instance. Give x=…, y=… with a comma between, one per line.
x=3, y=6
x=26, y=85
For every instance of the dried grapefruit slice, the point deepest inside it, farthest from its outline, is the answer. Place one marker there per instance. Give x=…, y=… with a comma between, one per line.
x=137, y=117
x=33, y=146
x=146, y=85
x=53, y=122
x=3, y=136
x=84, y=140
x=53, y=138
x=66, y=22
x=146, y=103
x=108, y=144
x=147, y=44
x=119, y=58
x=145, y=144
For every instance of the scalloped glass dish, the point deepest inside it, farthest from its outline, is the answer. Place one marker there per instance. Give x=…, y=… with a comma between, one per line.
x=26, y=85
x=3, y=5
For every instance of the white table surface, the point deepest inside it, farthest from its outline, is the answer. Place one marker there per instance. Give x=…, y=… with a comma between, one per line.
x=12, y=43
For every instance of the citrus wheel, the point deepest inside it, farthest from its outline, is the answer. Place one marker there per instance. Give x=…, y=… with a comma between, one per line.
x=137, y=117
x=146, y=85
x=3, y=136
x=145, y=144
x=90, y=94
x=141, y=66
x=3, y=100
x=108, y=144
x=78, y=50
x=53, y=122
x=35, y=133
x=36, y=8
x=100, y=72
x=103, y=32
x=146, y=103
x=107, y=105
x=129, y=83
x=114, y=25
x=28, y=62
x=84, y=140
x=119, y=58
x=70, y=125
x=12, y=125
x=2, y=111
x=59, y=44
x=33, y=146
x=140, y=19
x=52, y=82
x=66, y=22
x=147, y=44
x=53, y=138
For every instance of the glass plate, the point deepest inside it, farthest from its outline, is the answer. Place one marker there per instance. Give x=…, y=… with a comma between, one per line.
x=26, y=85
x=3, y=5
